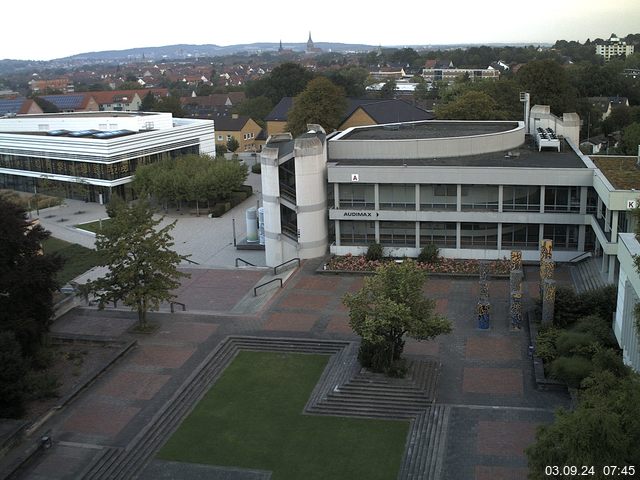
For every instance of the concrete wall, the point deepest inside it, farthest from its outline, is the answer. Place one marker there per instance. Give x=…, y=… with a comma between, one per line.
x=628, y=293
x=568, y=126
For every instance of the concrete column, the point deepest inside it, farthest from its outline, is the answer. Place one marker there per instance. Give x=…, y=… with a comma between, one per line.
x=458, y=229
x=542, y=193
x=500, y=234
x=459, y=198
x=377, y=231
x=605, y=259
x=417, y=197
x=614, y=226
x=612, y=268
x=418, y=235
x=336, y=195
x=583, y=200
x=541, y=233
x=500, y=200
x=337, y=231
x=607, y=221
x=376, y=196
x=599, y=208
x=582, y=234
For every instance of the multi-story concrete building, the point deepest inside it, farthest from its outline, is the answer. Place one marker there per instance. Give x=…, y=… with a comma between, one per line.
x=613, y=47
x=98, y=150
x=451, y=74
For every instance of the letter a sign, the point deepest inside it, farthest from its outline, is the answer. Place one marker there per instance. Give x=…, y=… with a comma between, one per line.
x=355, y=177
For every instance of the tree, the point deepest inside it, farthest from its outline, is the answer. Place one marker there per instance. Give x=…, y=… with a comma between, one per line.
x=232, y=144
x=27, y=278
x=390, y=305
x=322, y=103
x=170, y=104
x=12, y=375
x=256, y=108
x=472, y=105
x=603, y=430
x=388, y=90
x=143, y=268
x=286, y=80
x=148, y=103
x=353, y=79
x=630, y=139
x=548, y=83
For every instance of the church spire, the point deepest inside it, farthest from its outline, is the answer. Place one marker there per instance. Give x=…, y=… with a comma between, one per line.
x=310, y=42
x=280, y=48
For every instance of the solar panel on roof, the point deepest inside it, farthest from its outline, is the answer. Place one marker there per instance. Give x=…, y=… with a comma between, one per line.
x=57, y=133
x=65, y=101
x=83, y=133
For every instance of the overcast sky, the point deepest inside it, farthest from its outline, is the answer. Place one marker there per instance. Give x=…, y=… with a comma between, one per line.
x=42, y=30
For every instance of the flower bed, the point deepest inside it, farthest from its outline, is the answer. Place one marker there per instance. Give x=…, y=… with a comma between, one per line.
x=352, y=263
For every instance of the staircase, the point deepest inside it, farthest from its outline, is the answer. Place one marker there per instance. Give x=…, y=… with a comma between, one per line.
x=586, y=275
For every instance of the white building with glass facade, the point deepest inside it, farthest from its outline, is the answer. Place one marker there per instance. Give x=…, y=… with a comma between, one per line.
x=98, y=150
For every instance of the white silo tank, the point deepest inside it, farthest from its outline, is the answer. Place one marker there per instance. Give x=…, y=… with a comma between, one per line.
x=261, y=225
x=252, y=225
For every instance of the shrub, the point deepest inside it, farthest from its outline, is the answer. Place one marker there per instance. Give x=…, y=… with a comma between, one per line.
x=565, y=311
x=220, y=209
x=576, y=343
x=247, y=189
x=546, y=344
x=256, y=168
x=41, y=385
x=374, y=252
x=608, y=359
x=429, y=254
x=571, y=370
x=237, y=198
x=598, y=327
x=600, y=302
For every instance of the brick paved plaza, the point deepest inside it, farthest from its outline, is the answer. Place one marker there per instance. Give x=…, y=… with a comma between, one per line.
x=485, y=376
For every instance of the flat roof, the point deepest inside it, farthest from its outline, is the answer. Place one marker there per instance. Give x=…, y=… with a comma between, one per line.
x=623, y=172
x=427, y=129
x=526, y=156
x=104, y=113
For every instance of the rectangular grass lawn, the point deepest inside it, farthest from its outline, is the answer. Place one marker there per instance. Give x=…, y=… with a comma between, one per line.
x=252, y=418
x=77, y=259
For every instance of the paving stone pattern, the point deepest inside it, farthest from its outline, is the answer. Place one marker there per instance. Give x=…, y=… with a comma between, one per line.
x=476, y=419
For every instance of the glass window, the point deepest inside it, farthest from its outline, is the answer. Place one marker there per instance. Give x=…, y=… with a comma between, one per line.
x=520, y=235
x=398, y=196
x=592, y=201
x=438, y=197
x=479, y=235
x=289, y=222
x=521, y=198
x=562, y=199
x=353, y=232
x=564, y=237
x=398, y=234
x=354, y=195
x=480, y=197
x=441, y=234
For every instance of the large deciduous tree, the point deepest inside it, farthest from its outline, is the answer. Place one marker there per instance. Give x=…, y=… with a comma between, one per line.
x=143, y=267
x=286, y=80
x=321, y=102
x=27, y=278
x=390, y=306
x=548, y=83
x=471, y=105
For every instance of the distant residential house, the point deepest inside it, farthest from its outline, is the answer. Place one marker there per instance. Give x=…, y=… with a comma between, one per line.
x=125, y=100
x=597, y=144
x=18, y=106
x=244, y=129
x=388, y=73
x=73, y=102
x=210, y=106
x=605, y=105
x=359, y=112
x=61, y=84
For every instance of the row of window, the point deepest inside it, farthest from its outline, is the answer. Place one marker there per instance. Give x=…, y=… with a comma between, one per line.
x=472, y=235
x=245, y=136
x=473, y=197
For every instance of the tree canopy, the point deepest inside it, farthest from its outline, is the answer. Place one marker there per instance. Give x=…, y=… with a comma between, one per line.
x=390, y=305
x=143, y=267
x=471, y=105
x=548, y=83
x=27, y=278
x=190, y=178
x=321, y=102
x=286, y=80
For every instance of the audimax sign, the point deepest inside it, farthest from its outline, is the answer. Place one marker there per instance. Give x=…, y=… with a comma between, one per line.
x=361, y=214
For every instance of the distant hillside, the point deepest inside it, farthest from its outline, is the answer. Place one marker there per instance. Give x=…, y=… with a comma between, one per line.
x=209, y=50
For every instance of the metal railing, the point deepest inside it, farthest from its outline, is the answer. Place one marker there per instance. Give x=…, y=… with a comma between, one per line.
x=275, y=269
x=255, y=289
x=191, y=261
x=244, y=261
x=580, y=257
